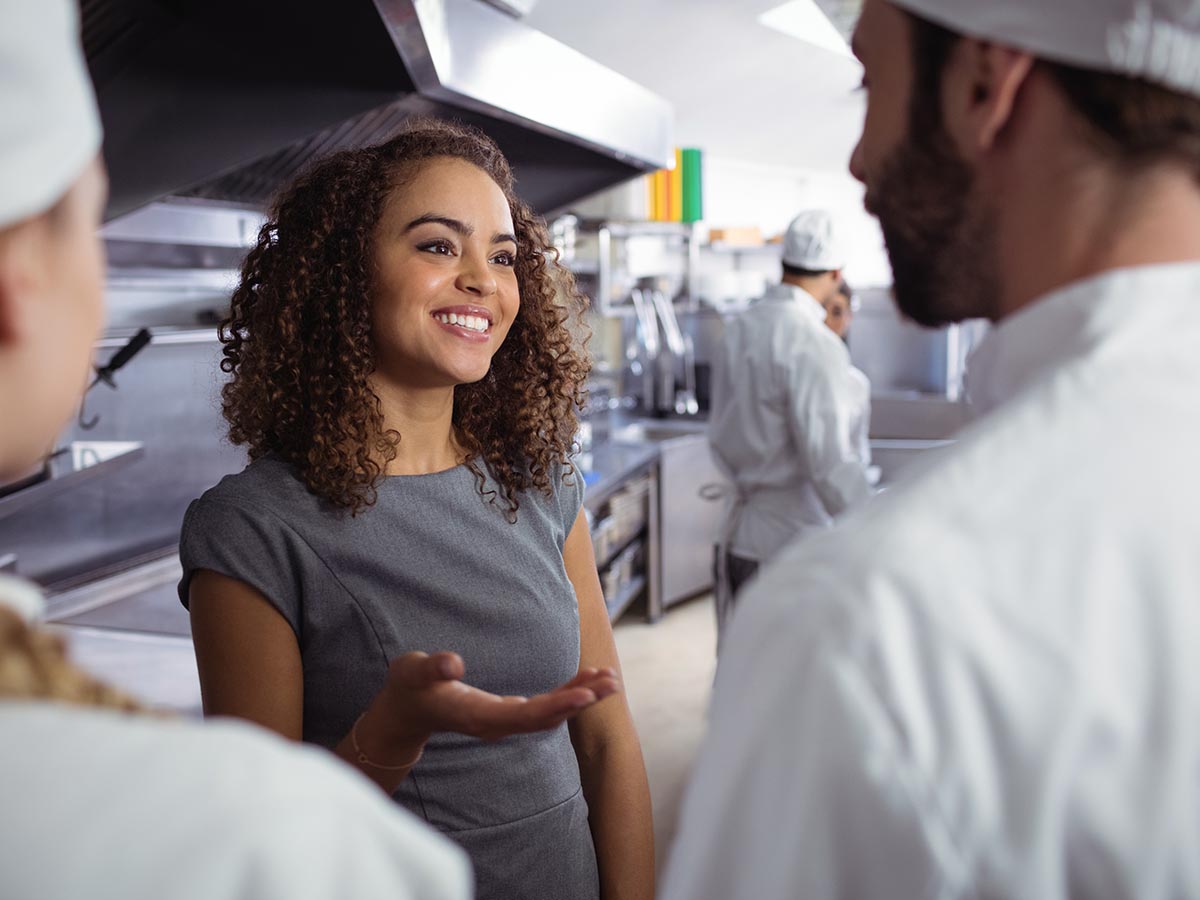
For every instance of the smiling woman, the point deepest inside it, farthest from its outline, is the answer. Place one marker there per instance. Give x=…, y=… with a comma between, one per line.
x=446, y=289
x=319, y=330
x=404, y=378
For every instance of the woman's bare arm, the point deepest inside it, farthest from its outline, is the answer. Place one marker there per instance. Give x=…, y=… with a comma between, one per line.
x=607, y=746
x=250, y=667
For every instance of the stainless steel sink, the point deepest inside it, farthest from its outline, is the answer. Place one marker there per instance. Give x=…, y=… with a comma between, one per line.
x=895, y=457
x=658, y=430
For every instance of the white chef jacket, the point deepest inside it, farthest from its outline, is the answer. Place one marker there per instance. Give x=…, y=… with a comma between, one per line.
x=860, y=416
x=987, y=682
x=783, y=408
x=100, y=804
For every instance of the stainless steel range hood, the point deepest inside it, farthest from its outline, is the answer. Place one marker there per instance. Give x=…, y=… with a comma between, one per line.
x=226, y=100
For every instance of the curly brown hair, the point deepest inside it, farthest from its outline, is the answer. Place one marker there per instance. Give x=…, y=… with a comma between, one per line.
x=298, y=337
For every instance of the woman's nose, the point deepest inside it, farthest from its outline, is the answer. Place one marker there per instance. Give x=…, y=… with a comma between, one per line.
x=475, y=277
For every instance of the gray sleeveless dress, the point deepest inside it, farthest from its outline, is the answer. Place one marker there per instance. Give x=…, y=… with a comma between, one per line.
x=432, y=566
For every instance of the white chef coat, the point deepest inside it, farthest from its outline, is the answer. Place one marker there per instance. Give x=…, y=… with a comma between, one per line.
x=986, y=683
x=101, y=804
x=860, y=416
x=783, y=408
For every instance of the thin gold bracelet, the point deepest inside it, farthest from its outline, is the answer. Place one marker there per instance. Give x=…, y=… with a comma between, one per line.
x=362, y=760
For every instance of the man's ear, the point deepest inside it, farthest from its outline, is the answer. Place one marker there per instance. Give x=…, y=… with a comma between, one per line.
x=980, y=92
x=835, y=282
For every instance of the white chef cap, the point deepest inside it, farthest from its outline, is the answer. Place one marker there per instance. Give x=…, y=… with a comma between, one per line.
x=809, y=243
x=49, y=125
x=1158, y=40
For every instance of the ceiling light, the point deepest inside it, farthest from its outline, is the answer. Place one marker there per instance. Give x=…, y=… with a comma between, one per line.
x=843, y=14
x=804, y=20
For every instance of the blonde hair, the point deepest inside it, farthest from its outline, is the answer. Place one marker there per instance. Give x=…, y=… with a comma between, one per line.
x=34, y=666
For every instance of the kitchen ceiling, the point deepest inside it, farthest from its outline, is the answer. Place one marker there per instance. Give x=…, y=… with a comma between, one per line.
x=740, y=90
x=842, y=13
x=195, y=105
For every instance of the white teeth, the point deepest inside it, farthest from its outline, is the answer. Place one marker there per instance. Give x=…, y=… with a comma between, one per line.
x=473, y=323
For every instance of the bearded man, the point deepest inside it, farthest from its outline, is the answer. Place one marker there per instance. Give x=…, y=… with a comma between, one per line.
x=985, y=683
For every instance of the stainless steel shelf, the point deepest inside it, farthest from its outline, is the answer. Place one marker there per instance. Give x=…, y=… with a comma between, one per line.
x=78, y=462
x=628, y=594
x=583, y=267
x=743, y=249
x=636, y=228
x=640, y=534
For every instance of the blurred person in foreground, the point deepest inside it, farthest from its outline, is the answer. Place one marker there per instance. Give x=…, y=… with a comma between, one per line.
x=783, y=407
x=101, y=799
x=985, y=683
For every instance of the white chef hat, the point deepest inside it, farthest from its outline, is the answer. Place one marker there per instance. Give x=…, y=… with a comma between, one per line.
x=809, y=243
x=49, y=125
x=1158, y=40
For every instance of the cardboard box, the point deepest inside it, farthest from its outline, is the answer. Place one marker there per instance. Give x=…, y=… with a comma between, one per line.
x=740, y=237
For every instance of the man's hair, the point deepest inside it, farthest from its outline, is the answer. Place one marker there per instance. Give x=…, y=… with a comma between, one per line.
x=797, y=272
x=1127, y=119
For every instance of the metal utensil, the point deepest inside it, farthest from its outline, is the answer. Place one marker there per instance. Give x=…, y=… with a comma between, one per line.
x=105, y=373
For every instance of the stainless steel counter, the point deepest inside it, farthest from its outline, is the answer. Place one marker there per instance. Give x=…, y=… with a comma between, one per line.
x=130, y=628
x=610, y=464
x=65, y=470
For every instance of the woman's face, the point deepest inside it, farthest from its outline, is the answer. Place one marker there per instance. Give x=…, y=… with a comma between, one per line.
x=838, y=314
x=61, y=288
x=445, y=290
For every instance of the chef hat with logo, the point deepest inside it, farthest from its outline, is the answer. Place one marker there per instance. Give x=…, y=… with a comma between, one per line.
x=810, y=243
x=49, y=125
x=1155, y=40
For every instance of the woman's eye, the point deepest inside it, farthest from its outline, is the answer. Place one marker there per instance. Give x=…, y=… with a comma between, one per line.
x=505, y=259
x=441, y=247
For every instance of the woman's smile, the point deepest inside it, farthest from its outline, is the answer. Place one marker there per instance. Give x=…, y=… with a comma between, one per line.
x=470, y=323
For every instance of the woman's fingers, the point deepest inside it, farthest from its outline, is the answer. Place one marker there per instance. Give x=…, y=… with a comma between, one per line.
x=605, y=686
x=516, y=715
x=584, y=676
x=502, y=716
x=448, y=704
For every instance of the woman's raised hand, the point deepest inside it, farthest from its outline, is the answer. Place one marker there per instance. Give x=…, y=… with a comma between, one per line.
x=426, y=694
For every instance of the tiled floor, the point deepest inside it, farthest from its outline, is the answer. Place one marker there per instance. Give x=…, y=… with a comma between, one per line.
x=668, y=669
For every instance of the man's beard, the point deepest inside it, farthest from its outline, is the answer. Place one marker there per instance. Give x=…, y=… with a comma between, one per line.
x=941, y=246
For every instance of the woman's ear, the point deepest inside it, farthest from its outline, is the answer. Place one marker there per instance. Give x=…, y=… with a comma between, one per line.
x=18, y=279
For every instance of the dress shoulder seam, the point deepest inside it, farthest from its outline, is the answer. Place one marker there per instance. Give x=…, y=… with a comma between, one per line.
x=309, y=547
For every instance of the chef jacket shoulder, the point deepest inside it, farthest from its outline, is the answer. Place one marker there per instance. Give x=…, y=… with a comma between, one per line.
x=216, y=810
x=788, y=325
x=1115, y=312
x=796, y=297
x=1024, y=596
